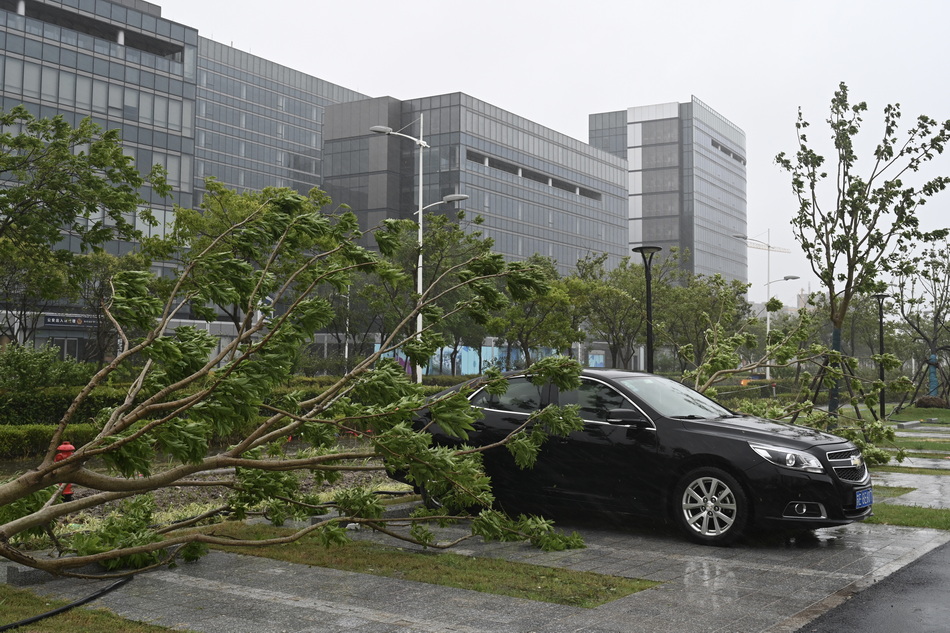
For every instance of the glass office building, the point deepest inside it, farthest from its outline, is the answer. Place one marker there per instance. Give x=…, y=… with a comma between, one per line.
x=672, y=174
x=119, y=63
x=687, y=181
x=259, y=124
x=198, y=108
x=192, y=105
x=539, y=191
x=125, y=67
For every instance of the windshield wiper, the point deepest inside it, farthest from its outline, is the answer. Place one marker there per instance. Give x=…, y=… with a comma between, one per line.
x=691, y=416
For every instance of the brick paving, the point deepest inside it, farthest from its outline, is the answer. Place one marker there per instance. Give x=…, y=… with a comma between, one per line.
x=766, y=583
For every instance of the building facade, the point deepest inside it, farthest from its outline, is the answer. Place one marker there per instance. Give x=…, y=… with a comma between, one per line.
x=538, y=191
x=687, y=181
x=672, y=175
x=118, y=63
x=122, y=65
x=198, y=108
x=259, y=124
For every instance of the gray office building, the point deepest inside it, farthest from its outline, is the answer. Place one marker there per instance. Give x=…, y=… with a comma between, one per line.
x=687, y=181
x=120, y=64
x=672, y=174
x=259, y=124
x=198, y=108
x=538, y=191
x=194, y=106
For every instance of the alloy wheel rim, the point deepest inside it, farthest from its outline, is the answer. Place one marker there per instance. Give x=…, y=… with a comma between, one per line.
x=709, y=506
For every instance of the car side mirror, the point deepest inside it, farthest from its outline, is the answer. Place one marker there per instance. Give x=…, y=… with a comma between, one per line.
x=630, y=417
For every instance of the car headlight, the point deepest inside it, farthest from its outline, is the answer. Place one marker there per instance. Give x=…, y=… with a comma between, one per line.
x=789, y=458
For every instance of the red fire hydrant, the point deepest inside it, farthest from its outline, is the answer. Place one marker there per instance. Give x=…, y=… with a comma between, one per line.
x=63, y=451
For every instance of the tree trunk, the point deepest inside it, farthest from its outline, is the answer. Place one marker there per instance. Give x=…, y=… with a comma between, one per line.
x=614, y=354
x=527, y=355
x=453, y=359
x=933, y=382
x=833, y=392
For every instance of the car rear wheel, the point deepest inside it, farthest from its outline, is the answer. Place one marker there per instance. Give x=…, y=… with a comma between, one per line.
x=711, y=506
x=430, y=500
x=436, y=497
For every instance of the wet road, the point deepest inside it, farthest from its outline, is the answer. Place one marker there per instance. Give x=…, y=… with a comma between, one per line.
x=912, y=599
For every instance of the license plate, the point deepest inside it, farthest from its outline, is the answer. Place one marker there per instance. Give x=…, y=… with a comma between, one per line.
x=863, y=498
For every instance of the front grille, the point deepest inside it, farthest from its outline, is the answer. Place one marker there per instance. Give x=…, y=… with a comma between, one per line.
x=843, y=465
x=851, y=474
x=843, y=454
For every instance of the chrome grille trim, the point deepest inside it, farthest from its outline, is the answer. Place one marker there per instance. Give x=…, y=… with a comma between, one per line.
x=845, y=469
x=851, y=474
x=843, y=454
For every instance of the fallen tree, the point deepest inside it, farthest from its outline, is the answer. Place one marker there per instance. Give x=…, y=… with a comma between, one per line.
x=274, y=257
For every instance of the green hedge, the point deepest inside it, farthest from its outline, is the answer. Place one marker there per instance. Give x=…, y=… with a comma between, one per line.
x=25, y=440
x=28, y=418
x=47, y=406
x=445, y=381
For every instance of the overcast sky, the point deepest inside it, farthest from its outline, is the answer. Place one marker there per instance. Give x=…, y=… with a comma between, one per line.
x=755, y=62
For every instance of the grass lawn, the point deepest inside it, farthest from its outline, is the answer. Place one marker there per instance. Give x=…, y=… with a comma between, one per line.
x=910, y=470
x=488, y=575
x=907, y=516
x=929, y=444
x=910, y=516
x=911, y=414
x=20, y=604
x=926, y=455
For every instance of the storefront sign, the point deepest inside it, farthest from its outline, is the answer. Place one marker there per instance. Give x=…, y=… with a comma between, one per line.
x=59, y=320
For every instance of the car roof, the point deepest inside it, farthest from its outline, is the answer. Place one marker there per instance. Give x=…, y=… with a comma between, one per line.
x=611, y=373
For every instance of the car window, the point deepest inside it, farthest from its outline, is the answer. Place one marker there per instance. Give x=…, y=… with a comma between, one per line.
x=594, y=400
x=672, y=399
x=522, y=397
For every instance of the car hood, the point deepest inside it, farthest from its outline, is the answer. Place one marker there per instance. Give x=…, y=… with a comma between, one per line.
x=762, y=430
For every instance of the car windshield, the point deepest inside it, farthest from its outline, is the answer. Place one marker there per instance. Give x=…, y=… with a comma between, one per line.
x=671, y=399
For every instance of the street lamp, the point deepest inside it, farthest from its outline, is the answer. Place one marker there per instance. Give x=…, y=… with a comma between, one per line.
x=766, y=246
x=768, y=321
x=647, y=253
x=880, y=335
x=421, y=144
x=452, y=197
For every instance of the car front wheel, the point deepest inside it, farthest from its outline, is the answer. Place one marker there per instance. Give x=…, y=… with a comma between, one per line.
x=711, y=506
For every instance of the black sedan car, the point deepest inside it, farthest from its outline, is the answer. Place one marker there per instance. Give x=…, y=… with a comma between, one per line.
x=654, y=447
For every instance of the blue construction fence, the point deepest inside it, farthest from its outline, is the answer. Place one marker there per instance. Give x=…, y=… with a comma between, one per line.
x=470, y=362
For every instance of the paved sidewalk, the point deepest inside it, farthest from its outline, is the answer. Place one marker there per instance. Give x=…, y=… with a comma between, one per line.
x=768, y=584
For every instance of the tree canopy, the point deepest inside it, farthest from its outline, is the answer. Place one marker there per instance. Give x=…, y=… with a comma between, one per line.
x=863, y=225
x=65, y=190
x=60, y=179
x=191, y=390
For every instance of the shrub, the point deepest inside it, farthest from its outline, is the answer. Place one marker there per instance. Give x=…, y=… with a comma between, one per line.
x=931, y=402
x=47, y=406
x=444, y=381
x=27, y=440
x=25, y=368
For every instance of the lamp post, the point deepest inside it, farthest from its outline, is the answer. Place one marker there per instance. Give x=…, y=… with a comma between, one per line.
x=768, y=327
x=421, y=144
x=767, y=246
x=647, y=253
x=880, y=335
